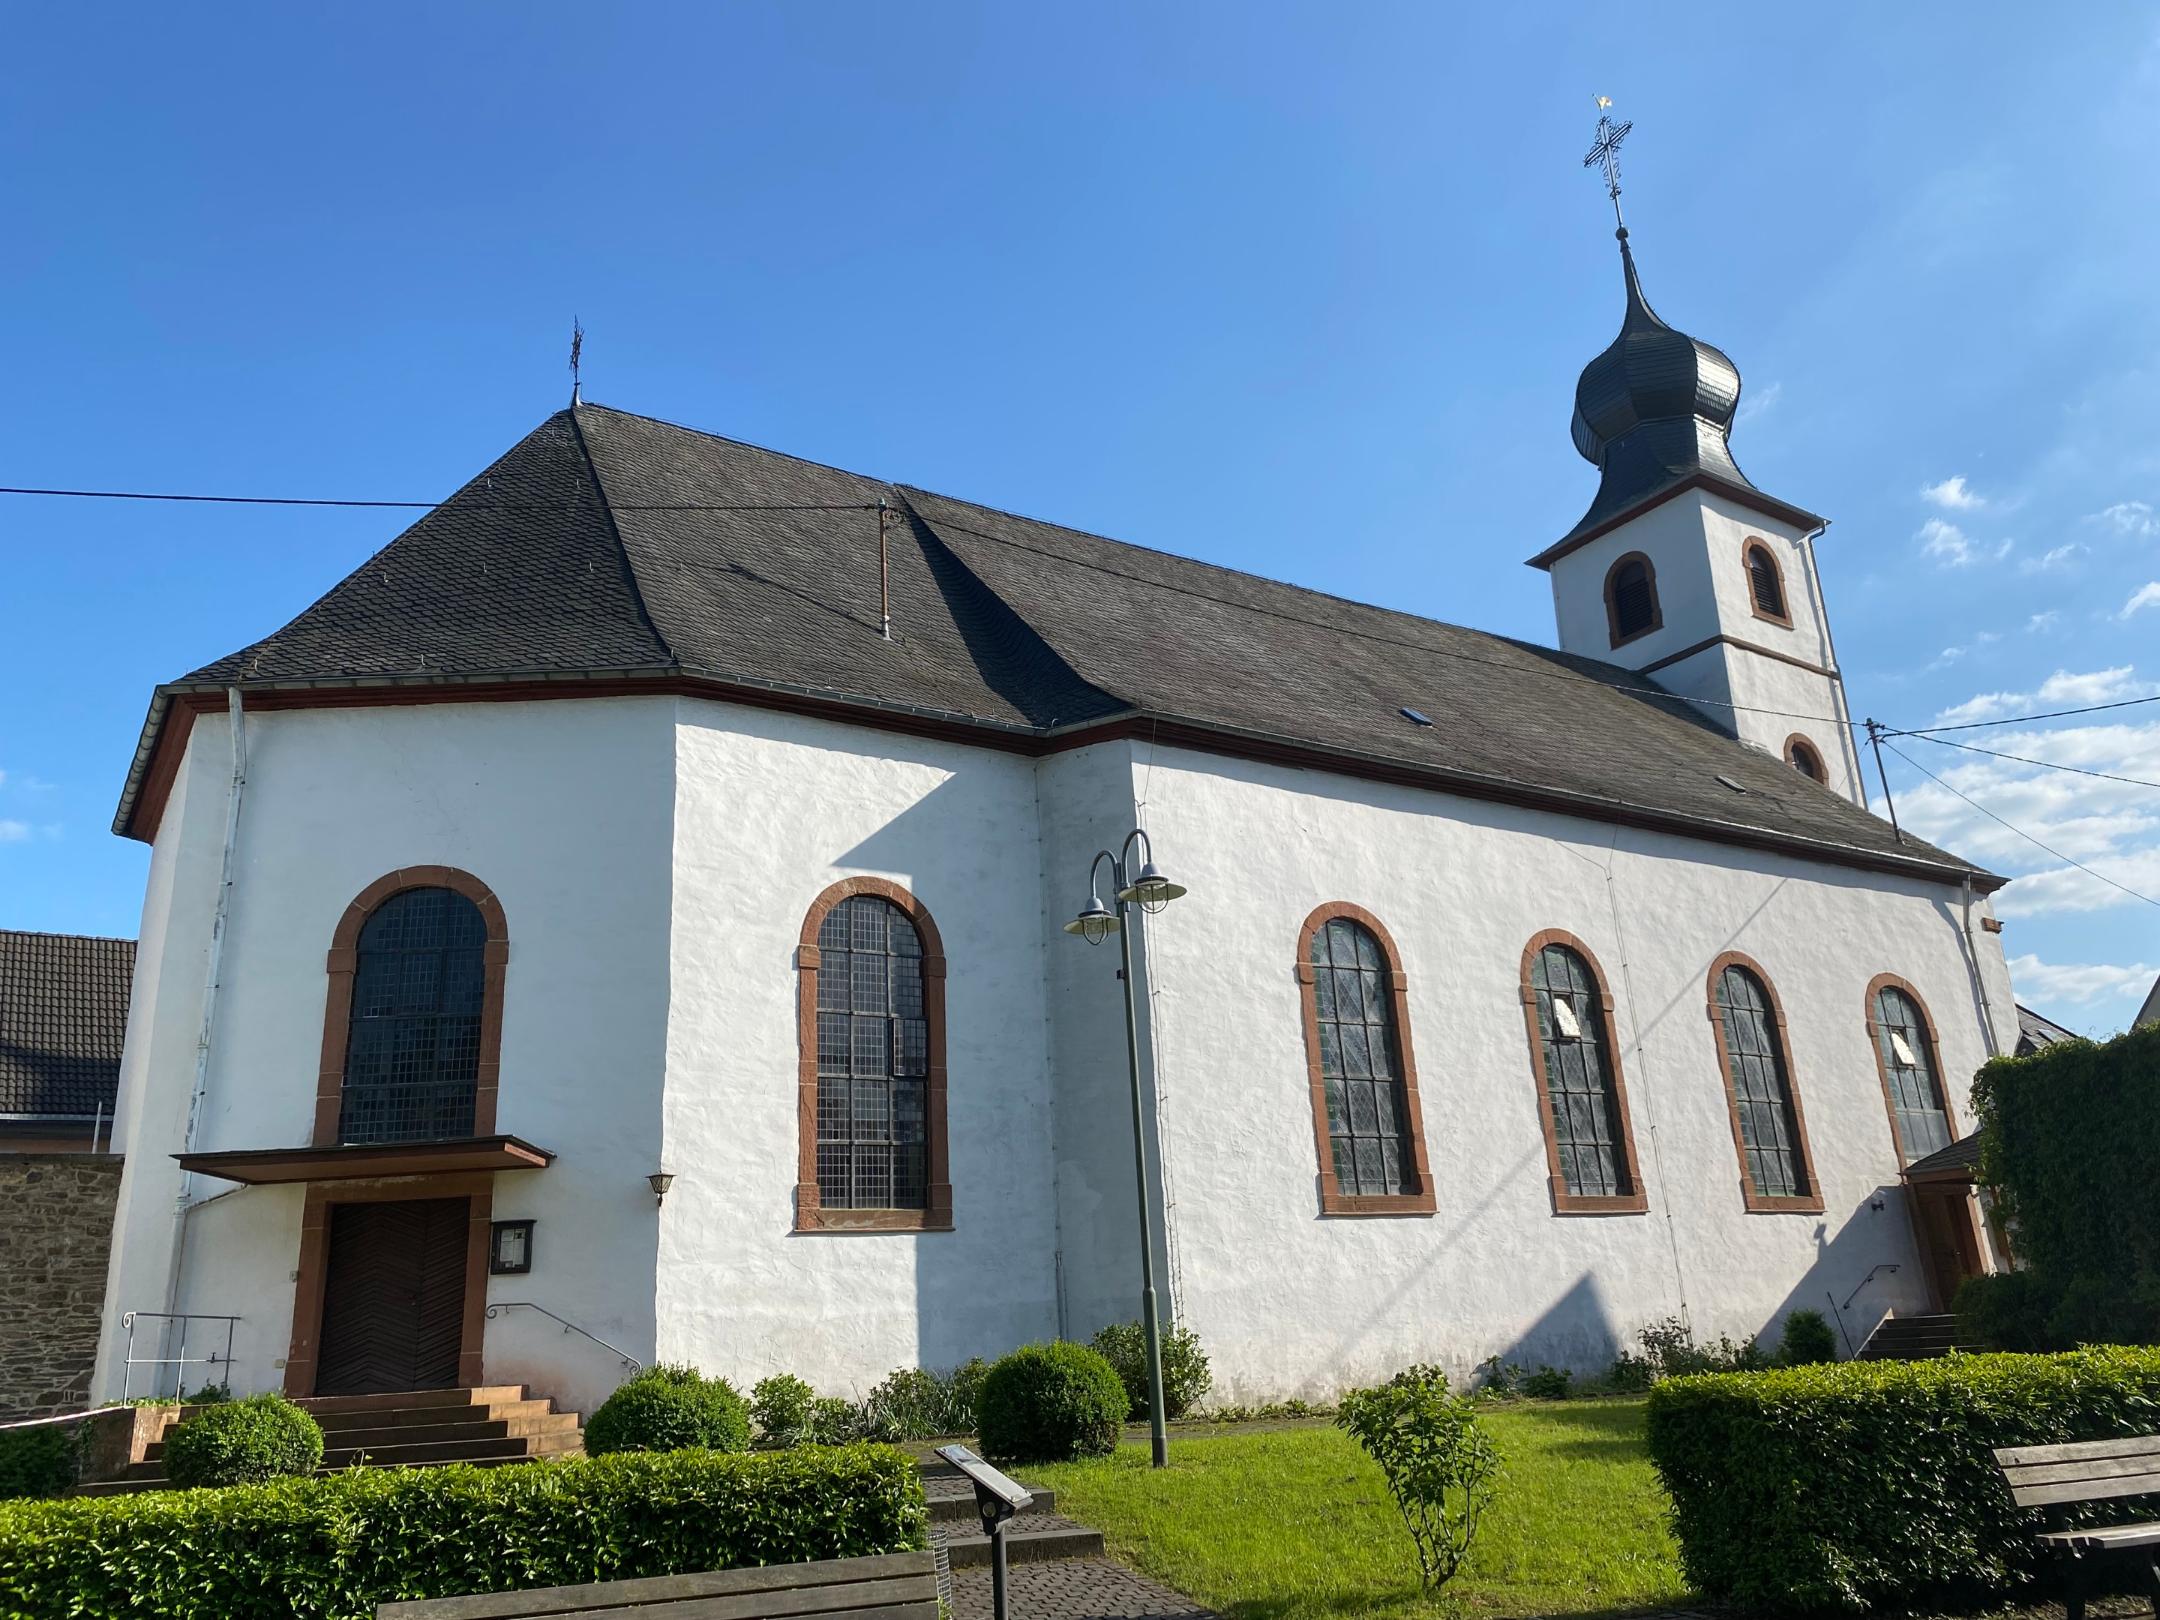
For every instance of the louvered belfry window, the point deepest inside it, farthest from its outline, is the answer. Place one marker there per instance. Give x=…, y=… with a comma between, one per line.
x=873, y=1057
x=412, y=1058
x=1360, y=1060
x=1761, y=1086
x=1909, y=1069
x=1764, y=581
x=1579, y=1075
x=1634, y=599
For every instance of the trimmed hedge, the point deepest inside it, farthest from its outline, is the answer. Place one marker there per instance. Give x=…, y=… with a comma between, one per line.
x=248, y=1442
x=332, y=1547
x=1869, y=1484
x=1050, y=1403
x=666, y=1408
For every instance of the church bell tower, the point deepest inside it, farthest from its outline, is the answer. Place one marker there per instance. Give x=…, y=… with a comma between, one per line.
x=1682, y=569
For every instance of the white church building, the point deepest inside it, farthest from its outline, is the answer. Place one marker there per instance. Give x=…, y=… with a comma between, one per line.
x=661, y=812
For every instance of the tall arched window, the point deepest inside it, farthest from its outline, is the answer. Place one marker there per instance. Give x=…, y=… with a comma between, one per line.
x=412, y=1035
x=1367, y=1125
x=1769, y=1129
x=1766, y=584
x=872, y=1082
x=1631, y=599
x=1582, y=1099
x=1804, y=757
x=1905, y=1055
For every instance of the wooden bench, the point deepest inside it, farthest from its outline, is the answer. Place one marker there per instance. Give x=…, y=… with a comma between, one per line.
x=891, y=1586
x=2057, y=1478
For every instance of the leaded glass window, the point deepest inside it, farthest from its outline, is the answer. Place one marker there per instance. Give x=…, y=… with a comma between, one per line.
x=1587, y=1128
x=1360, y=1060
x=412, y=1058
x=873, y=1059
x=1761, y=1086
x=1908, y=1060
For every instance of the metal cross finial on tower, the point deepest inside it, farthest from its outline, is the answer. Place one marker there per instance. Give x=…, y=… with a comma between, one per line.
x=577, y=352
x=1605, y=154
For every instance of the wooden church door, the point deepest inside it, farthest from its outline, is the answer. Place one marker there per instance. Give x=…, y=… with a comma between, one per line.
x=393, y=1297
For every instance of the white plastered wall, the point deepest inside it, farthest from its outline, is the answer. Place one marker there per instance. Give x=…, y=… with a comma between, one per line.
x=1288, y=1301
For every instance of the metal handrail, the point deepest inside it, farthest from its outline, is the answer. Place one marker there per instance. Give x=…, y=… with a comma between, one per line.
x=628, y=1360
x=131, y=1360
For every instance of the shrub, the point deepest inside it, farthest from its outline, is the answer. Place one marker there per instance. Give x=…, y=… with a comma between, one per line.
x=1548, y=1384
x=1186, y=1375
x=780, y=1407
x=2007, y=1310
x=1870, y=1484
x=667, y=1408
x=1808, y=1339
x=1438, y=1461
x=913, y=1404
x=247, y=1442
x=332, y=1547
x=964, y=1391
x=2068, y=1137
x=1051, y=1403
x=37, y=1460
x=1669, y=1350
x=833, y=1422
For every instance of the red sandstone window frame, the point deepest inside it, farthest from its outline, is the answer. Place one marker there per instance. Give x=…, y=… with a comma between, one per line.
x=1612, y=606
x=1791, y=751
x=344, y=960
x=1748, y=550
x=1636, y=1201
x=1891, y=981
x=810, y=1215
x=1811, y=1203
x=1333, y=1200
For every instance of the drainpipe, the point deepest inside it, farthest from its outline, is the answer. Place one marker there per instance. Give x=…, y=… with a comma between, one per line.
x=236, y=714
x=1972, y=956
x=1822, y=617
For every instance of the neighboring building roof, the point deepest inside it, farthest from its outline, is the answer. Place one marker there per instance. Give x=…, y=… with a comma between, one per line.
x=2035, y=1032
x=1653, y=413
x=607, y=547
x=1963, y=1154
x=63, y=1015
x=2150, y=1012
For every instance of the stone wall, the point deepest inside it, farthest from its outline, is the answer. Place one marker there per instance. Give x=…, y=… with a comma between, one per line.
x=56, y=1213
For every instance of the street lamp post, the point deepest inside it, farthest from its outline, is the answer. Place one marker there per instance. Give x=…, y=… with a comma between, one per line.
x=1148, y=890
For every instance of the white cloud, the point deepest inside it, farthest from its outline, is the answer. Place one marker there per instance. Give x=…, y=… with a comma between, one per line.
x=2145, y=596
x=1952, y=547
x=2051, y=560
x=2128, y=517
x=2077, y=981
x=1951, y=495
x=2043, y=621
x=1758, y=402
x=14, y=832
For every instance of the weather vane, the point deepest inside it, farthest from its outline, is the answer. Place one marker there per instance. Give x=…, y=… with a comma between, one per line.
x=1605, y=154
x=577, y=352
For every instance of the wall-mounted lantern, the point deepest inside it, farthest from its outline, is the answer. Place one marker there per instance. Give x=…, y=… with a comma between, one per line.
x=510, y=1248
x=660, y=1181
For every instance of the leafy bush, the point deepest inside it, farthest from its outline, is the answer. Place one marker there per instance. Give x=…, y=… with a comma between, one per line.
x=1438, y=1461
x=1186, y=1375
x=780, y=1407
x=1051, y=1403
x=2007, y=1310
x=248, y=1442
x=914, y=1404
x=2068, y=1138
x=1808, y=1339
x=834, y=1422
x=1548, y=1384
x=667, y=1408
x=37, y=1460
x=1870, y=1484
x=1669, y=1350
x=332, y=1547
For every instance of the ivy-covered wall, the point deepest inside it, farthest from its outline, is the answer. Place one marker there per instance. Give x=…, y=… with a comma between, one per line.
x=2070, y=1143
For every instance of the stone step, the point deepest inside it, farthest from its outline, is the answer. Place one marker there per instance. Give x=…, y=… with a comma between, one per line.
x=1031, y=1538
x=444, y=1429
x=392, y=1417
x=960, y=1508
x=402, y=1400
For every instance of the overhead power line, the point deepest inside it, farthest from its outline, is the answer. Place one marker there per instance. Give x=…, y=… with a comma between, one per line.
x=2020, y=831
x=2024, y=759
x=2023, y=719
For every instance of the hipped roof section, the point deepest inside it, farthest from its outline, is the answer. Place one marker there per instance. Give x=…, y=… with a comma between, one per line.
x=611, y=546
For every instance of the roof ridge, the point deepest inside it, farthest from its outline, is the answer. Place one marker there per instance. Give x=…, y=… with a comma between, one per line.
x=53, y=933
x=622, y=547
x=743, y=444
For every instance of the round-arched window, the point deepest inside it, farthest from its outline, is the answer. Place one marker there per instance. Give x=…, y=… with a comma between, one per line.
x=412, y=1054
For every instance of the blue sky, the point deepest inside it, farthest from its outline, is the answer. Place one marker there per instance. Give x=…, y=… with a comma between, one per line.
x=1300, y=289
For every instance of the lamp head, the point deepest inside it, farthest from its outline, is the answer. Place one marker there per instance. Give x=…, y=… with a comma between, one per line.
x=659, y=1181
x=1151, y=888
x=1096, y=922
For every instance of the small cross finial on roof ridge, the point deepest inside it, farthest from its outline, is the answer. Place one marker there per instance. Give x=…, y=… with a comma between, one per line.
x=577, y=355
x=1605, y=154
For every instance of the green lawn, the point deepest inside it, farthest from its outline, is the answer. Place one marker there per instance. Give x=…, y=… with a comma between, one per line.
x=1296, y=1523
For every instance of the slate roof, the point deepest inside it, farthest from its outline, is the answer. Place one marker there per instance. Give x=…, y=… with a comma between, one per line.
x=1963, y=1154
x=63, y=1014
x=2034, y=1032
x=605, y=543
